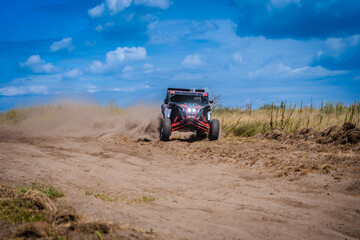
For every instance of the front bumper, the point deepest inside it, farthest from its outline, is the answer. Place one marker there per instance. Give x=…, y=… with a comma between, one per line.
x=191, y=123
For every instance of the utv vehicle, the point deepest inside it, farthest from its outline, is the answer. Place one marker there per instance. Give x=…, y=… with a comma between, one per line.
x=188, y=110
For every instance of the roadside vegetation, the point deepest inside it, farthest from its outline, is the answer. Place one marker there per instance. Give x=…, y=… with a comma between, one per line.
x=26, y=204
x=33, y=213
x=101, y=196
x=235, y=121
x=144, y=199
x=245, y=121
x=49, y=191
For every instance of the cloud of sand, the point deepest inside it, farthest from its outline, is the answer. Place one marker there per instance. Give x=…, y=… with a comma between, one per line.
x=73, y=119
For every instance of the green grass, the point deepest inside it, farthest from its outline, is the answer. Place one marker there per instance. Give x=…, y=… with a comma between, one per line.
x=99, y=236
x=101, y=196
x=19, y=211
x=248, y=129
x=105, y=197
x=11, y=116
x=88, y=193
x=146, y=199
x=51, y=192
x=151, y=231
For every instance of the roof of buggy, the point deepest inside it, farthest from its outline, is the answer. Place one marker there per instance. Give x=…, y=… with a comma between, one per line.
x=186, y=91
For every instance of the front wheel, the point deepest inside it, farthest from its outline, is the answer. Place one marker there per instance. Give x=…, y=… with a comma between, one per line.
x=165, y=129
x=214, y=130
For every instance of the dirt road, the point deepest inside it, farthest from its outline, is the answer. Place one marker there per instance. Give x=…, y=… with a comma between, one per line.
x=250, y=188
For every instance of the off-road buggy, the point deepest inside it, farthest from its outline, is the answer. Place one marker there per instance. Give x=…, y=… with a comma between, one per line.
x=188, y=110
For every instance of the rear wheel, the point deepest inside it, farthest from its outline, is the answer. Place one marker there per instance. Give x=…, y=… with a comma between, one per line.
x=165, y=129
x=214, y=130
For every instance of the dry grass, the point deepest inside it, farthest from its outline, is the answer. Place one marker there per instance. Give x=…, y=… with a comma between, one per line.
x=234, y=121
x=49, y=191
x=289, y=118
x=26, y=215
x=101, y=196
x=27, y=204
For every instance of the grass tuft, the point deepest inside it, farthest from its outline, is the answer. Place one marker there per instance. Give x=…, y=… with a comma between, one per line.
x=150, y=232
x=146, y=199
x=99, y=236
x=50, y=192
x=19, y=211
x=11, y=116
x=88, y=193
x=15, y=207
x=101, y=196
x=105, y=197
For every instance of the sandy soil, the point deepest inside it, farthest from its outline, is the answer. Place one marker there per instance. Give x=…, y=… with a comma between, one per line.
x=249, y=188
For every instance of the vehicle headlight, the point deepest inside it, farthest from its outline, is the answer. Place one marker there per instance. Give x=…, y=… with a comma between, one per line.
x=193, y=110
x=189, y=110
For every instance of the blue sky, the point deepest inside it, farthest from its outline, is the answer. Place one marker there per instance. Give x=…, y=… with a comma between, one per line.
x=258, y=51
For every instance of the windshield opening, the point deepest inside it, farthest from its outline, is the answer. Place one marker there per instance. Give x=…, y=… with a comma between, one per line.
x=189, y=99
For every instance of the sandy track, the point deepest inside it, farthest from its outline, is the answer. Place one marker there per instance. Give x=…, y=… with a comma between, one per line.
x=242, y=189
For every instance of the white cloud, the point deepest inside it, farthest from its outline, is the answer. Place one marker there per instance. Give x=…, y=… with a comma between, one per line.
x=187, y=76
x=319, y=53
x=90, y=44
x=13, y=91
x=116, y=6
x=99, y=28
x=97, y=11
x=129, y=89
x=96, y=67
x=149, y=68
x=109, y=24
x=237, y=57
x=113, y=7
x=122, y=89
x=163, y=4
x=125, y=53
x=71, y=74
x=118, y=57
x=65, y=43
x=192, y=60
x=280, y=71
x=91, y=88
x=127, y=69
x=283, y=3
x=336, y=46
x=37, y=65
x=37, y=80
x=171, y=31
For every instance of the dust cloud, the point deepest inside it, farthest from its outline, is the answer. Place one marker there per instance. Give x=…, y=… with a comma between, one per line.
x=75, y=119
